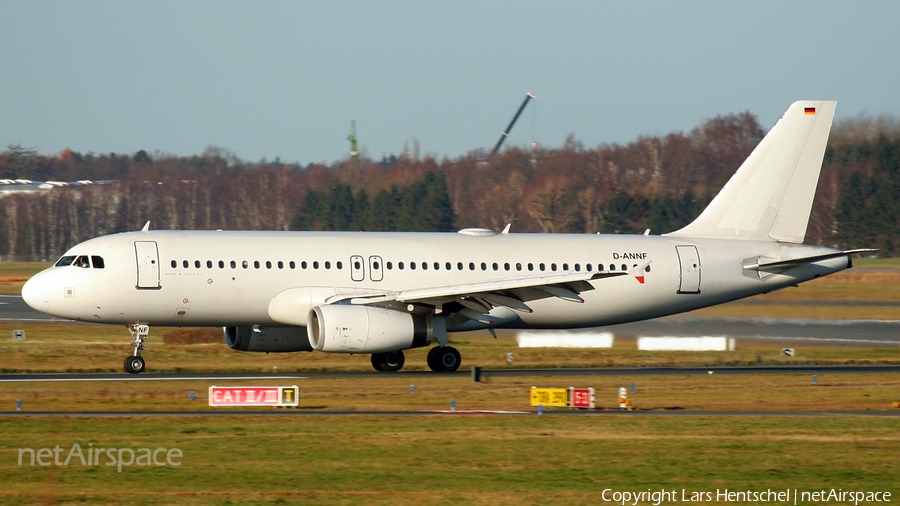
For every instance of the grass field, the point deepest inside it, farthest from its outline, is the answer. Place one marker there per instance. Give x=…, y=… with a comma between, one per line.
x=423, y=460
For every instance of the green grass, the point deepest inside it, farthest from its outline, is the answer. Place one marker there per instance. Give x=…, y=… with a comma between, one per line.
x=419, y=460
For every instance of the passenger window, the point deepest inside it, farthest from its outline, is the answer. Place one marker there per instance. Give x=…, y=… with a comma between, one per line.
x=400, y=266
x=424, y=266
x=292, y=264
x=209, y=264
x=530, y=267
x=518, y=266
x=483, y=266
x=448, y=266
x=459, y=266
x=185, y=264
x=495, y=266
x=315, y=264
x=97, y=261
x=256, y=264
x=196, y=264
x=174, y=264
x=268, y=264
x=340, y=265
x=233, y=264
x=599, y=267
x=437, y=266
x=553, y=267
x=577, y=267
x=647, y=269
x=82, y=261
x=412, y=266
x=280, y=264
x=587, y=267
x=328, y=265
x=302, y=265
x=221, y=264
x=565, y=267
x=542, y=267
x=612, y=267
x=471, y=266
x=390, y=266
x=624, y=267
x=245, y=264
x=67, y=261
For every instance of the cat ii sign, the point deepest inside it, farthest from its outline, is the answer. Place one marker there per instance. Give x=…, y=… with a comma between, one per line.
x=254, y=396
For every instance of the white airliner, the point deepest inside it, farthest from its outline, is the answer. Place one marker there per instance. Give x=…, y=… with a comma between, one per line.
x=382, y=293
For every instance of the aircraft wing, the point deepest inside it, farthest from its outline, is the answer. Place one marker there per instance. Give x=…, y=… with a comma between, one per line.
x=479, y=298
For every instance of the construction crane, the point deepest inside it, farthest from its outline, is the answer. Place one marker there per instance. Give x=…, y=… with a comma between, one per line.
x=354, y=151
x=528, y=96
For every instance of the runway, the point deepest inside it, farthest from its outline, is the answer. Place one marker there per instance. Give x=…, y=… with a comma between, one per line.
x=593, y=371
x=300, y=412
x=839, y=333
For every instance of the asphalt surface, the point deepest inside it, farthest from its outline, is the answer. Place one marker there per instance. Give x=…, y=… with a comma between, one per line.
x=592, y=371
x=300, y=412
x=839, y=333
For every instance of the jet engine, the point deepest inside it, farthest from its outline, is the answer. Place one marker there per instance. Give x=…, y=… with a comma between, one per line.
x=266, y=339
x=365, y=329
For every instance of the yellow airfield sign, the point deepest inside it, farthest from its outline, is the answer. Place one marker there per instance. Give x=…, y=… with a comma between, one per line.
x=549, y=396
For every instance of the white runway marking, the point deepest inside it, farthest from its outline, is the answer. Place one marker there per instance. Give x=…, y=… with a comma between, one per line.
x=144, y=378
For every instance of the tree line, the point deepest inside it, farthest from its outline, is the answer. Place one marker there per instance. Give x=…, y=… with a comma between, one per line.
x=660, y=183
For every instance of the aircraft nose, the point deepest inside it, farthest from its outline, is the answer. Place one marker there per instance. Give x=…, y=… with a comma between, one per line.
x=36, y=292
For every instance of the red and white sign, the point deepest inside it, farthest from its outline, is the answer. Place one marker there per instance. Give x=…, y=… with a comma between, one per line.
x=254, y=396
x=581, y=397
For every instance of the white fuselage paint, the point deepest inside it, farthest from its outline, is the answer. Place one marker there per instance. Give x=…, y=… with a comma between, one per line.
x=223, y=297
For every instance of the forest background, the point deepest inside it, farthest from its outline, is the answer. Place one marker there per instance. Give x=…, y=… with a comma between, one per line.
x=660, y=183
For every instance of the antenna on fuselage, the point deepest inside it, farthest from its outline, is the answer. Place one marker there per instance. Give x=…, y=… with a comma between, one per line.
x=146, y=226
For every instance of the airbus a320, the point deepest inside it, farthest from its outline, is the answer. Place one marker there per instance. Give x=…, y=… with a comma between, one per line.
x=383, y=293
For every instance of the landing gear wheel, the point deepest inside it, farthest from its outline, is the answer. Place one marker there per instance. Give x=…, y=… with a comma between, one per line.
x=444, y=359
x=134, y=364
x=388, y=362
x=433, y=359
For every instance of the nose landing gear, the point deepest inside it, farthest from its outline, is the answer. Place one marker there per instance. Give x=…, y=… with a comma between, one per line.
x=134, y=364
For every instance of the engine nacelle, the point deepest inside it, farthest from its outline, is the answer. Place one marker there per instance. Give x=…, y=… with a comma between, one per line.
x=266, y=339
x=365, y=329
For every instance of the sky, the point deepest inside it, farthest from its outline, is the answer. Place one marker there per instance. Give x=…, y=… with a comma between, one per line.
x=284, y=79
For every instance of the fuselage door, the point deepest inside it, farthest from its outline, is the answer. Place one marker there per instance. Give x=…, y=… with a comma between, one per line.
x=689, y=258
x=357, y=269
x=147, y=264
x=375, y=268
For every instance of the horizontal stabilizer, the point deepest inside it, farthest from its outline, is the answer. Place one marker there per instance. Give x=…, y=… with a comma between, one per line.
x=776, y=265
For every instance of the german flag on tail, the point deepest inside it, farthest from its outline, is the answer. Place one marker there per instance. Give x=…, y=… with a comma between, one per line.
x=809, y=111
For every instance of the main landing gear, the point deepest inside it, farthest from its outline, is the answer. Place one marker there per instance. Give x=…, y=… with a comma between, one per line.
x=443, y=359
x=388, y=362
x=440, y=359
x=134, y=364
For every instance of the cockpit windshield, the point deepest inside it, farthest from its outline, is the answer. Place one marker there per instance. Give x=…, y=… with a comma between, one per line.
x=83, y=261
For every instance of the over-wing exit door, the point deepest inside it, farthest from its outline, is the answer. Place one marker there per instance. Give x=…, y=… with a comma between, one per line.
x=147, y=264
x=689, y=258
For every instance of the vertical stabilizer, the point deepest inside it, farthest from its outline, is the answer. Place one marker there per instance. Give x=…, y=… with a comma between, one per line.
x=771, y=194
